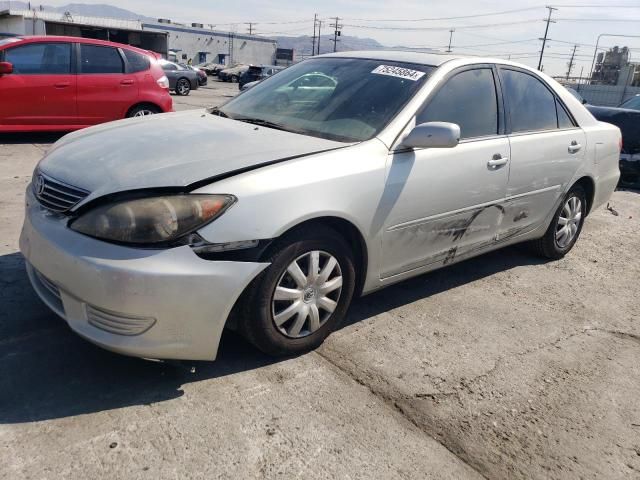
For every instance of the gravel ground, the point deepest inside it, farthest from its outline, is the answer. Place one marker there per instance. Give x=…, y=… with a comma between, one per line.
x=503, y=366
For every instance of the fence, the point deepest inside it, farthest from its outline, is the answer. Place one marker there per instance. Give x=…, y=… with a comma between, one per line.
x=605, y=95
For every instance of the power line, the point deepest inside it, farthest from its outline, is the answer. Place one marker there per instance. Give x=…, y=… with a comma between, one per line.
x=466, y=27
x=504, y=12
x=313, y=42
x=546, y=31
x=450, y=38
x=336, y=33
x=599, y=19
x=596, y=6
x=570, y=67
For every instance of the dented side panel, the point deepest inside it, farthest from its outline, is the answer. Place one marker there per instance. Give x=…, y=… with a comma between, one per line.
x=442, y=203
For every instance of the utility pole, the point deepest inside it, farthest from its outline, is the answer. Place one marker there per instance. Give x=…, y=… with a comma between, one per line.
x=336, y=33
x=313, y=44
x=251, y=24
x=546, y=31
x=319, y=36
x=450, y=38
x=570, y=67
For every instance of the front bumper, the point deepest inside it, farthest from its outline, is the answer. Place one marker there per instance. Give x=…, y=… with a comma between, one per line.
x=164, y=304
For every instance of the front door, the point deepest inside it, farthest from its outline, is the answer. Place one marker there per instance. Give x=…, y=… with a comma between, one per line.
x=105, y=91
x=444, y=203
x=41, y=90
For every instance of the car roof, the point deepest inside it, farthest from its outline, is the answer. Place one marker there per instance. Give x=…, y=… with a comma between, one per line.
x=423, y=58
x=60, y=38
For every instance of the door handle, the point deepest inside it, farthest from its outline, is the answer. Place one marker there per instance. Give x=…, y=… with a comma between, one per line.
x=497, y=161
x=574, y=147
x=62, y=84
x=126, y=82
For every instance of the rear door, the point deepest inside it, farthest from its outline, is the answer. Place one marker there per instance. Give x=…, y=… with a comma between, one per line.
x=547, y=147
x=41, y=90
x=105, y=91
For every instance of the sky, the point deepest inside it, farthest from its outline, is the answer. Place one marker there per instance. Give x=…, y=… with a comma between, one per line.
x=424, y=23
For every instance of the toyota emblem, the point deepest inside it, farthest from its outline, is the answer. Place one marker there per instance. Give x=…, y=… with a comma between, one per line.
x=39, y=186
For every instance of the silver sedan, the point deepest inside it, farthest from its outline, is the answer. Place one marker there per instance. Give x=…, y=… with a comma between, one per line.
x=303, y=194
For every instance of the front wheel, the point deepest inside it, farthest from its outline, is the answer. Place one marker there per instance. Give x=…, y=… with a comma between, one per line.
x=303, y=296
x=183, y=87
x=565, y=228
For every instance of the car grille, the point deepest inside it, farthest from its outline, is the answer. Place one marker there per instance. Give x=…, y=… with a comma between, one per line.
x=118, y=323
x=55, y=195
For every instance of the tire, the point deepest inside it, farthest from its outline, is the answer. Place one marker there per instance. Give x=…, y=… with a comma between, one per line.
x=235, y=79
x=143, y=111
x=554, y=244
x=183, y=87
x=260, y=309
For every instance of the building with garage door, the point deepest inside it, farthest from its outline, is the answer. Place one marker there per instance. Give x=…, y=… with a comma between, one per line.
x=186, y=42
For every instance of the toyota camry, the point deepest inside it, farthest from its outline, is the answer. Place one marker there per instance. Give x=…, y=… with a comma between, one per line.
x=341, y=175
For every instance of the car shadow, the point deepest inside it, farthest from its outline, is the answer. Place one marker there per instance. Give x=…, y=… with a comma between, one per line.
x=426, y=285
x=30, y=138
x=48, y=372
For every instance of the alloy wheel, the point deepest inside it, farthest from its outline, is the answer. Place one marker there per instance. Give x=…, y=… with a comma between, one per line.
x=568, y=222
x=307, y=294
x=143, y=113
x=183, y=88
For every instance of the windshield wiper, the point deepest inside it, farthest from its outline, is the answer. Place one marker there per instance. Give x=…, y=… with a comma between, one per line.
x=263, y=123
x=218, y=112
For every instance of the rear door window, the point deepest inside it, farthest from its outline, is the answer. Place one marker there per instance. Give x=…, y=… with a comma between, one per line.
x=137, y=62
x=564, y=120
x=40, y=58
x=532, y=107
x=469, y=100
x=99, y=59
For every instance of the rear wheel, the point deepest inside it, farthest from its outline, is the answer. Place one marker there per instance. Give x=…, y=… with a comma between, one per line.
x=142, y=111
x=565, y=228
x=303, y=296
x=183, y=87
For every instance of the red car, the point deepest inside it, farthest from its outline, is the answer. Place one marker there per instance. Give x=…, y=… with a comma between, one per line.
x=66, y=83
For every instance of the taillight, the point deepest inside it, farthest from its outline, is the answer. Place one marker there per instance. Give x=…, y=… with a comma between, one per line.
x=163, y=82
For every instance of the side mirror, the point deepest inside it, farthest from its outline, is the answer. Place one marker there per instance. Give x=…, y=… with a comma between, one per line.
x=433, y=135
x=6, y=68
x=584, y=101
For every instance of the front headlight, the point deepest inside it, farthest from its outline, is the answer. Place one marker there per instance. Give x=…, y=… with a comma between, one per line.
x=152, y=220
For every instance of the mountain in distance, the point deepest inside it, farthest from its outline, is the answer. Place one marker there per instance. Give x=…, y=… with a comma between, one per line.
x=302, y=44
x=89, y=10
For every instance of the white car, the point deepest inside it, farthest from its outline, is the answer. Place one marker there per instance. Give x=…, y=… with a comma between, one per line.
x=149, y=236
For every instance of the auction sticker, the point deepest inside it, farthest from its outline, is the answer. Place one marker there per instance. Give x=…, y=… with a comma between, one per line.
x=398, y=72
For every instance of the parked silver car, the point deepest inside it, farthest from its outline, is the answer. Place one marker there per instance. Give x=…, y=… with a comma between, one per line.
x=291, y=206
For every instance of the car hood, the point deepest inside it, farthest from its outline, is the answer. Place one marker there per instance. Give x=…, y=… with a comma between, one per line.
x=170, y=150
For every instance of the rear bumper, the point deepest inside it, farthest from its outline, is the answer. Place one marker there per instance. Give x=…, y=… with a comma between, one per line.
x=630, y=170
x=166, y=304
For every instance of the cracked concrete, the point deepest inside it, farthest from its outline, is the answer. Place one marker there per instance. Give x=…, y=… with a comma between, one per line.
x=501, y=367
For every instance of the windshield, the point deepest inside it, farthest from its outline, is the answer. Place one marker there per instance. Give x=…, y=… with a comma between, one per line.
x=633, y=103
x=341, y=99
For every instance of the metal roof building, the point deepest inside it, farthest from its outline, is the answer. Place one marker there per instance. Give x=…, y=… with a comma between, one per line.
x=188, y=42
